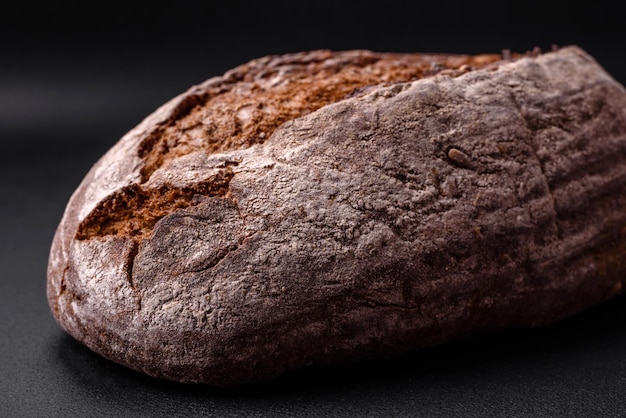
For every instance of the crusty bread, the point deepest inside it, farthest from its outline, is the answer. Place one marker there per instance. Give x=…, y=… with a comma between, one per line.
x=326, y=206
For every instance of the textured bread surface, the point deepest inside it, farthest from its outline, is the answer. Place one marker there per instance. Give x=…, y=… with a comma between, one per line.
x=324, y=207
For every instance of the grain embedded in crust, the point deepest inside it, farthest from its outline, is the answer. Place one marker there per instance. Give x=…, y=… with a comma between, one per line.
x=405, y=217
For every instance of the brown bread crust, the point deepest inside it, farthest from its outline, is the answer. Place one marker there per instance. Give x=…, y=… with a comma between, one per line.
x=325, y=207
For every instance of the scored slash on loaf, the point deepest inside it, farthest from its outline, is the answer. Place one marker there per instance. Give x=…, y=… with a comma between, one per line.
x=324, y=207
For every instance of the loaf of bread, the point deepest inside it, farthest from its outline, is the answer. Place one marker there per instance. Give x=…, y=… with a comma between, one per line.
x=325, y=207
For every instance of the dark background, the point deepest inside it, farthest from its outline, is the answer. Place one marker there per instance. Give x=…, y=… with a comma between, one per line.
x=74, y=79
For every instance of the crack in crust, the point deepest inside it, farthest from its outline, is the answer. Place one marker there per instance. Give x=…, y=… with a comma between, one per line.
x=244, y=108
x=133, y=211
x=250, y=102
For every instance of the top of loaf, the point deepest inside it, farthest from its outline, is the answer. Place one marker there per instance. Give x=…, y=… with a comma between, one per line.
x=244, y=107
x=248, y=103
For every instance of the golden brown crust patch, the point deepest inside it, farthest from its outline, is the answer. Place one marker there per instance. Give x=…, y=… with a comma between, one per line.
x=270, y=92
x=243, y=108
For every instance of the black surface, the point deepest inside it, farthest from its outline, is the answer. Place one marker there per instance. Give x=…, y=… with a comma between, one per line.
x=71, y=85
